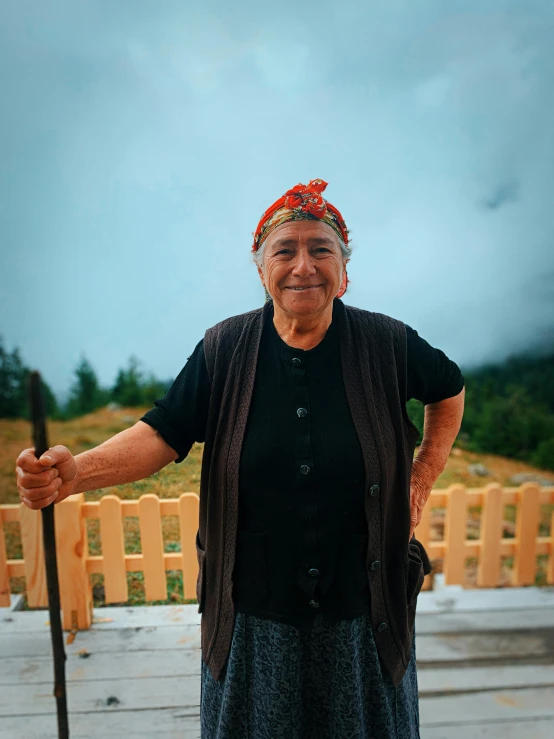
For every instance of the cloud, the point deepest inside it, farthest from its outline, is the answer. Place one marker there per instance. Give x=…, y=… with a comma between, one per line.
x=140, y=144
x=506, y=192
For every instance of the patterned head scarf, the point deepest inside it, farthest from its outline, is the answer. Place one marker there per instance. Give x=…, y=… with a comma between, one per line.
x=303, y=202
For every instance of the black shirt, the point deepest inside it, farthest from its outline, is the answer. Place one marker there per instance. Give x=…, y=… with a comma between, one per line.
x=302, y=533
x=180, y=416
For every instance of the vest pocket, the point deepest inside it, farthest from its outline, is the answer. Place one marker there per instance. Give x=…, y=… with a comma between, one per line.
x=417, y=567
x=250, y=584
x=414, y=580
x=201, y=579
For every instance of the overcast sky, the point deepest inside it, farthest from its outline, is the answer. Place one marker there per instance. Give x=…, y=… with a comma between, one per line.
x=140, y=141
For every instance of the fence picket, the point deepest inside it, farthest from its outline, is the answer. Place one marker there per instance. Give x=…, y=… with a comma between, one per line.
x=4, y=577
x=188, y=523
x=72, y=551
x=113, y=550
x=455, y=533
x=488, y=572
x=151, y=539
x=527, y=524
x=33, y=557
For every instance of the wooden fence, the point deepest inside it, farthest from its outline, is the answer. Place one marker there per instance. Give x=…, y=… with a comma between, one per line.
x=76, y=564
x=455, y=547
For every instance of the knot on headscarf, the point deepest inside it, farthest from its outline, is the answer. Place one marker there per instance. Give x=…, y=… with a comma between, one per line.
x=307, y=198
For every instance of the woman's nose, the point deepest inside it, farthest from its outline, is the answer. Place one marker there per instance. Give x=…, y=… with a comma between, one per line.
x=303, y=264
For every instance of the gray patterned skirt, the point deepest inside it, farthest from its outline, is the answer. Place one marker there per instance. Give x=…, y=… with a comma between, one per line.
x=327, y=683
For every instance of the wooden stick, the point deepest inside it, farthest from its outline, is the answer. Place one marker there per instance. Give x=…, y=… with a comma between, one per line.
x=40, y=441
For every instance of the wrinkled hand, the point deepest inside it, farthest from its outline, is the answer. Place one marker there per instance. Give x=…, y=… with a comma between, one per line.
x=421, y=485
x=42, y=481
x=416, y=511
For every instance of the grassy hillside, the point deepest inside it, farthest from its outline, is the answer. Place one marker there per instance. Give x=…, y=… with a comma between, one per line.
x=89, y=431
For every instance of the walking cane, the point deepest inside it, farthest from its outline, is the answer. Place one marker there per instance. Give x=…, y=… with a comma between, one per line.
x=49, y=539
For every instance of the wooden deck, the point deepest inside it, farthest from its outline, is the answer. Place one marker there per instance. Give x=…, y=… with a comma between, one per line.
x=486, y=669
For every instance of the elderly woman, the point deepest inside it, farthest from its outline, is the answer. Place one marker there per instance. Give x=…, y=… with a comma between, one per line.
x=310, y=494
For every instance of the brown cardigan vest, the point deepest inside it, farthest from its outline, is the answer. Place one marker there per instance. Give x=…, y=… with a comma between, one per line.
x=373, y=358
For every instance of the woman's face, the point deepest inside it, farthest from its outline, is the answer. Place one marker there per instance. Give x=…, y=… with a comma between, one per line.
x=303, y=266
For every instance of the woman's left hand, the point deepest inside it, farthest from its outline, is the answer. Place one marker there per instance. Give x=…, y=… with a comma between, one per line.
x=416, y=512
x=421, y=485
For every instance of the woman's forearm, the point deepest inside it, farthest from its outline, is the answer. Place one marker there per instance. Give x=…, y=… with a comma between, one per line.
x=441, y=426
x=131, y=455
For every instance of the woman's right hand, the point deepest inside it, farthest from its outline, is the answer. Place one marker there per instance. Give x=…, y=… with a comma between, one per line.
x=42, y=481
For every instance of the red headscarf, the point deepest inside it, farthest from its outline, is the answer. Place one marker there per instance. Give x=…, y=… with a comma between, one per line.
x=303, y=202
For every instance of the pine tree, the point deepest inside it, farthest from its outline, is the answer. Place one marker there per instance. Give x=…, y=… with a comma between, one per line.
x=85, y=394
x=128, y=387
x=14, y=387
x=12, y=378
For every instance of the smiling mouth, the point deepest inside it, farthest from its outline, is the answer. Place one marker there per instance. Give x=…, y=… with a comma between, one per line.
x=302, y=289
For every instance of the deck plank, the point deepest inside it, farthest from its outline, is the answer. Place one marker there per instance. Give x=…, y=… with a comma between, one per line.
x=103, y=666
x=111, y=617
x=486, y=600
x=97, y=695
x=35, y=674
x=538, y=729
x=449, y=602
x=168, y=723
x=112, y=641
x=478, y=708
x=436, y=648
x=476, y=647
x=474, y=621
x=478, y=679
